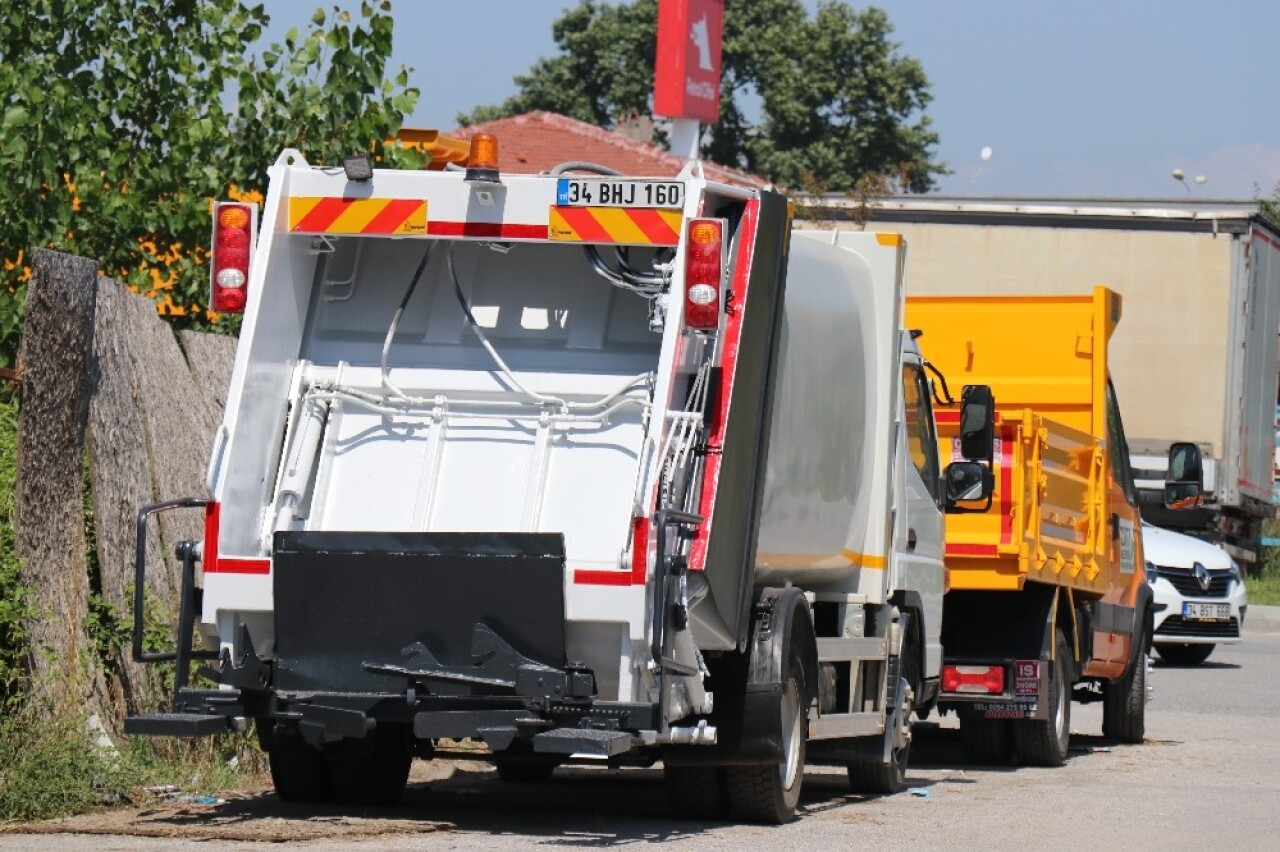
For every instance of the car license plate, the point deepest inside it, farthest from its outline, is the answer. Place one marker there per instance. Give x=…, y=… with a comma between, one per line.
x=594, y=192
x=1206, y=611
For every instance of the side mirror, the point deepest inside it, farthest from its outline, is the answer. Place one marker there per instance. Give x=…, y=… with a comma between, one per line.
x=968, y=481
x=1184, y=483
x=977, y=423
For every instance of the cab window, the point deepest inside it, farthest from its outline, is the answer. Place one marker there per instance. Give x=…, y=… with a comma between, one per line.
x=1119, y=448
x=922, y=441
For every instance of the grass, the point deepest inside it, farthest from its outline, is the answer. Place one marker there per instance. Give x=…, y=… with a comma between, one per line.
x=51, y=766
x=1264, y=589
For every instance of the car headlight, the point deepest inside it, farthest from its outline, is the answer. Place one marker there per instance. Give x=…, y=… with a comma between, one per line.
x=1153, y=573
x=1236, y=574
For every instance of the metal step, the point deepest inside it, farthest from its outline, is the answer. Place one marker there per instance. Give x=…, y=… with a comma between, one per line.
x=583, y=741
x=176, y=725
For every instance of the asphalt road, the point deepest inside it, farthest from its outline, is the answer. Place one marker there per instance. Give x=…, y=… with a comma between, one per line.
x=1208, y=777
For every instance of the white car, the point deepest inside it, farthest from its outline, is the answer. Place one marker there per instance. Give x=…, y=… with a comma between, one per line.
x=1199, y=595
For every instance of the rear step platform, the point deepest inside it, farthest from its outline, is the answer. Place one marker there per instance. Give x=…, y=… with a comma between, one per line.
x=176, y=725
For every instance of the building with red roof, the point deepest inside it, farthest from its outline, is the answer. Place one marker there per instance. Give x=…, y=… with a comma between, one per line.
x=539, y=141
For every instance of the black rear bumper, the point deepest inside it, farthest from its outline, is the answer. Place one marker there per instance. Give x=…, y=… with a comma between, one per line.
x=453, y=635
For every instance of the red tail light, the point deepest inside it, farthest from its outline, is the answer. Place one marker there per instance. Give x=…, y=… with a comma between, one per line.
x=704, y=274
x=233, y=228
x=984, y=679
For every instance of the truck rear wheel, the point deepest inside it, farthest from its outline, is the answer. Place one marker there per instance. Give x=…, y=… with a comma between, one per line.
x=769, y=793
x=373, y=771
x=1124, y=702
x=986, y=742
x=524, y=770
x=1045, y=742
x=697, y=792
x=299, y=772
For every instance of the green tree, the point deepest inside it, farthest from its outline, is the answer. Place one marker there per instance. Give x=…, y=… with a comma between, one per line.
x=837, y=102
x=121, y=119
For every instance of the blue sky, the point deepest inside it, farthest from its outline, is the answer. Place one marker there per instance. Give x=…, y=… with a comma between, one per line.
x=1079, y=98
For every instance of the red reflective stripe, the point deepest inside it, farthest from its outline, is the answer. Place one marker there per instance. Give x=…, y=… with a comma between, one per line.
x=212, y=562
x=655, y=228
x=946, y=416
x=729, y=363
x=392, y=216
x=242, y=566
x=1008, y=434
x=324, y=214
x=971, y=550
x=602, y=577
x=639, y=560
x=487, y=229
x=212, y=515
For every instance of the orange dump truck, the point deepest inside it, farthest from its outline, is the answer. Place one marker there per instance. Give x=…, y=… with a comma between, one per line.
x=1048, y=597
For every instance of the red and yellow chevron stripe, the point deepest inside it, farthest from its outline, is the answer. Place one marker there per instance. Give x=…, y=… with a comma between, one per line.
x=629, y=225
x=326, y=215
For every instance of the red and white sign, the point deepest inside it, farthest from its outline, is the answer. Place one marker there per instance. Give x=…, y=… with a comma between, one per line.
x=687, y=79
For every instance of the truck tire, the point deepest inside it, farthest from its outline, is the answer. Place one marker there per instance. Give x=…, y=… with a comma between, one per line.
x=697, y=792
x=374, y=771
x=299, y=772
x=1124, y=702
x=986, y=742
x=1183, y=655
x=1045, y=742
x=520, y=770
x=886, y=779
x=769, y=793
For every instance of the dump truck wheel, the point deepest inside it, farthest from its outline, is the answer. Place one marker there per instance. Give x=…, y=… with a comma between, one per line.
x=1184, y=655
x=769, y=793
x=374, y=772
x=1124, y=702
x=886, y=779
x=697, y=792
x=986, y=742
x=1044, y=743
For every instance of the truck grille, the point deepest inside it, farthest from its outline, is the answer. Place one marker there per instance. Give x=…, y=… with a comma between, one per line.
x=1176, y=625
x=1185, y=582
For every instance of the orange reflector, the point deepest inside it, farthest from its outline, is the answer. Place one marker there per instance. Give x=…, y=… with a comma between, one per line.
x=484, y=152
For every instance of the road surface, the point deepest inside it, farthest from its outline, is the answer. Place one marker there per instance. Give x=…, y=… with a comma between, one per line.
x=1207, y=778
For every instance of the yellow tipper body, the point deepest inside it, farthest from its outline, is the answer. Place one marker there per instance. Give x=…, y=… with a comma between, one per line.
x=1057, y=515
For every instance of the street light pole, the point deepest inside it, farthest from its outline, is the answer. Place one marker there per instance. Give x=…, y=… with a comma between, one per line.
x=1181, y=177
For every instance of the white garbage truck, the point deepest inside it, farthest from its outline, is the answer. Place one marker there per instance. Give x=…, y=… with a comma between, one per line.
x=577, y=466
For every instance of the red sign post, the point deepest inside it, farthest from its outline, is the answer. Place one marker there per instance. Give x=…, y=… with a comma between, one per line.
x=687, y=78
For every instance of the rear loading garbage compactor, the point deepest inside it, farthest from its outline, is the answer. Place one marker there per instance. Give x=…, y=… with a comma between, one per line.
x=576, y=466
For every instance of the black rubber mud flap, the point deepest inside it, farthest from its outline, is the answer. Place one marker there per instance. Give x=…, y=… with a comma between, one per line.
x=346, y=598
x=749, y=688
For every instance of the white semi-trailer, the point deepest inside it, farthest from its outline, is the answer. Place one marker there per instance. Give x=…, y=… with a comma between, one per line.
x=1196, y=357
x=578, y=466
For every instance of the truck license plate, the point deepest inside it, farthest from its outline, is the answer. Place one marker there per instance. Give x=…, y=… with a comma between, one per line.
x=1206, y=612
x=594, y=192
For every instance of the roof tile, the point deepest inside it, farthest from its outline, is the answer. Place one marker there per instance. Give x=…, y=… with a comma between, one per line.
x=539, y=141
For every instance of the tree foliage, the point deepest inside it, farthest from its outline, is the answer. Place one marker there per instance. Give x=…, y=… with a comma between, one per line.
x=121, y=119
x=835, y=98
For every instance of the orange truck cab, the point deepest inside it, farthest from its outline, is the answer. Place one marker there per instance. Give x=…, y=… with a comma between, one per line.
x=1048, y=597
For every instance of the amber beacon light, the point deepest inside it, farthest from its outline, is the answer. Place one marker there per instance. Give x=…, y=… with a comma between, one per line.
x=482, y=161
